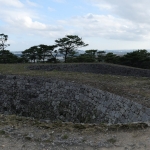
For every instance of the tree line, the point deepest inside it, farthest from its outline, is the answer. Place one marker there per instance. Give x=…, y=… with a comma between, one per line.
x=138, y=58
x=67, y=47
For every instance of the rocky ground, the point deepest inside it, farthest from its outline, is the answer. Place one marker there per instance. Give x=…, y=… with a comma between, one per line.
x=20, y=133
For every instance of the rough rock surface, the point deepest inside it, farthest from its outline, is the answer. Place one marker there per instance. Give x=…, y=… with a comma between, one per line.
x=95, y=68
x=59, y=100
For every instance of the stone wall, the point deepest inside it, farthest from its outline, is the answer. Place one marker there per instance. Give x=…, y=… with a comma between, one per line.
x=52, y=99
x=95, y=68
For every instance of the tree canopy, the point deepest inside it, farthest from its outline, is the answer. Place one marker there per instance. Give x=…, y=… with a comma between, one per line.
x=40, y=52
x=69, y=44
x=138, y=58
x=30, y=54
x=7, y=57
x=3, y=39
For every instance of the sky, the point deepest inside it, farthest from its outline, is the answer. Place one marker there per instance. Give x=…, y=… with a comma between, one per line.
x=103, y=24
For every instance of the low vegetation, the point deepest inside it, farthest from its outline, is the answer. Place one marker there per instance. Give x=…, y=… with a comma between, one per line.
x=13, y=120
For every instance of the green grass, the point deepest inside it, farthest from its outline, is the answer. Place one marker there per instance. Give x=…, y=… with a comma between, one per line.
x=133, y=88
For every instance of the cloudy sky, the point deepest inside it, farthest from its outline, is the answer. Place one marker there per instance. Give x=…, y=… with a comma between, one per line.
x=103, y=24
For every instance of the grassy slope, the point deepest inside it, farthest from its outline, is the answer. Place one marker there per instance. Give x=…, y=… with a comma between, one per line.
x=133, y=88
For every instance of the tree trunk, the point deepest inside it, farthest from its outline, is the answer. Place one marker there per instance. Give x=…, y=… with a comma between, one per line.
x=65, y=58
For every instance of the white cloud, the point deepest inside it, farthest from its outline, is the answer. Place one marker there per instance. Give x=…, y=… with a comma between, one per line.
x=14, y=3
x=59, y=1
x=51, y=9
x=108, y=26
x=30, y=3
x=25, y=21
x=121, y=20
x=104, y=6
x=135, y=11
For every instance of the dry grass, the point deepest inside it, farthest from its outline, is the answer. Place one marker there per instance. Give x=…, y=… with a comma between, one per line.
x=133, y=88
x=19, y=121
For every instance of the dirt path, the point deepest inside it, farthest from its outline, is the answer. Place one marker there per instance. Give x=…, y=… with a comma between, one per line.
x=20, y=133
